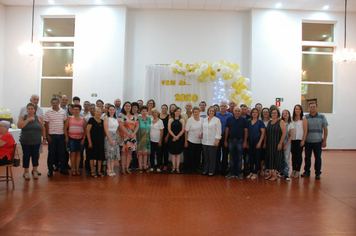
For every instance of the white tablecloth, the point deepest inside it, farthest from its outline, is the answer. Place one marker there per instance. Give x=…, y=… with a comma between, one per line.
x=16, y=134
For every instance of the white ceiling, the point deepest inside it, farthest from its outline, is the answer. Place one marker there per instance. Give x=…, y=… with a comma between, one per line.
x=232, y=5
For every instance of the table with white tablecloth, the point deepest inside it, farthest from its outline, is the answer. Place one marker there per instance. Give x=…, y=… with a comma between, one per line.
x=16, y=134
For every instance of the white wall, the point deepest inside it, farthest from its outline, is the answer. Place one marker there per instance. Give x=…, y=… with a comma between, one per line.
x=276, y=66
x=2, y=38
x=162, y=37
x=99, y=53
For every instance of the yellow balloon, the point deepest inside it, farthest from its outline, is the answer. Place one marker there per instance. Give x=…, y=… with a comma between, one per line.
x=222, y=63
x=212, y=77
x=211, y=64
x=226, y=76
x=197, y=65
x=201, y=79
x=213, y=72
x=229, y=64
x=232, y=96
x=249, y=101
x=3, y=108
x=175, y=71
x=245, y=97
x=3, y=116
x=205, y=62
x=235, y=67
x=176, y=62
x=235, y=85
x=193, y=69
x=210, y=69
x=181, y=64
x=241, y=86
x=7, y=116
x=187, y=66
x=241, y=79
x=238, y=91
x=246, y=87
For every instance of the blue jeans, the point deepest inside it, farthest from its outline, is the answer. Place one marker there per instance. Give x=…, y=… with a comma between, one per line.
x=286, y=154
x=236, y=150
x=28, y=152
x=316, y=148
x=254, y=156
x=57, y=146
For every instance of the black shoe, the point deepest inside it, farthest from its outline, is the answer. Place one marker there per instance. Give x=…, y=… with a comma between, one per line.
x=50, y=173
x=56, y=168
x=64, y=172
x=317, y=177
x=305, y=174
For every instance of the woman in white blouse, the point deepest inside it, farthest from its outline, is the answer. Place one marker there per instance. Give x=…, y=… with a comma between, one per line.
x=156, y=135
x=193, y=136
x=211, y=137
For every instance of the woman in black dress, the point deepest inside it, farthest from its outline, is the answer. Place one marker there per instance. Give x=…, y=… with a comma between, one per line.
x=176, y=127
x=276, y=132
x=95, y=135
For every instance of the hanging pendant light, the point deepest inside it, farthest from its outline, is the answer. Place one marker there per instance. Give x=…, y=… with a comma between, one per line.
x=345, y=56
x=31, y=51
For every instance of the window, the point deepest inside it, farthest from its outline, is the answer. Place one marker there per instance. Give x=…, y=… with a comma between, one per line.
x=58, y=58
x=317, y=83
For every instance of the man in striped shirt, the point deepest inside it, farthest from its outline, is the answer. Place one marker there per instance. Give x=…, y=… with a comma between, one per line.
x=54, y=123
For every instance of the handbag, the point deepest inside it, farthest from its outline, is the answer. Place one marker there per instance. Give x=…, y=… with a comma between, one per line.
x=16, y=159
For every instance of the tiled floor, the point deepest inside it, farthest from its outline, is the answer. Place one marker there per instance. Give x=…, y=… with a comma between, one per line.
x=159, y=204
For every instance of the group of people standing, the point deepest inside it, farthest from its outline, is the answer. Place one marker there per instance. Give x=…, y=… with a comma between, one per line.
x=257, y=142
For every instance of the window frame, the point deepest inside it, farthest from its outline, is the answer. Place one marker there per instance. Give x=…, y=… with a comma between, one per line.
x=321, y=44
x=43, y=39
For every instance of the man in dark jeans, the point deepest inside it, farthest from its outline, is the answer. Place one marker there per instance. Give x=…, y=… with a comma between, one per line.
x=223, y=115
x=236, y=134
x=54, y=123
x=316, y=139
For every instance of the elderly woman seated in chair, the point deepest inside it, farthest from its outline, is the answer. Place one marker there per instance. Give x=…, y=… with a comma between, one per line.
x=6, y=143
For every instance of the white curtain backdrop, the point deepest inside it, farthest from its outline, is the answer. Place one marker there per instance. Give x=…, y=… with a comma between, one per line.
x=158, y=90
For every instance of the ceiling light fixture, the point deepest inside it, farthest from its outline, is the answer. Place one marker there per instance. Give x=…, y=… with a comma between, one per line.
x=326, y=7
x=31, y=51
x=51, y=1
x=49, y=30
x=278, y=5
x=324, y=36
x=345, y=56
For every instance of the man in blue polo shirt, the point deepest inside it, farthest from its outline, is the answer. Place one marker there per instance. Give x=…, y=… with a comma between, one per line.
x=236, y=133
x=223, y=115
x=316, y=139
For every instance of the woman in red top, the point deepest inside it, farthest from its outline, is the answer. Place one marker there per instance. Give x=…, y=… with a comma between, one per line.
x=75, y=133
x=6, y=143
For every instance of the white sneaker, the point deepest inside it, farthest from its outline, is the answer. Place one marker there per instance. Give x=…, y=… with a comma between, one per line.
x=151, y=170
x=26, y=175
x=158, y=170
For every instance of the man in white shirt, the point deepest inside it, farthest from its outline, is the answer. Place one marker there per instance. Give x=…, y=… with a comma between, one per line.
x=202, y=106
x=86, y=110
x=117, y=104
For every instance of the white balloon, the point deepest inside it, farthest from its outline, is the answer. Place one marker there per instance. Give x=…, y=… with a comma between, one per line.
x=180, y=69
x=172, y=65
x=224, y=69
x=218, y=74
x=247, y=81
x=249, y=93
x=216, y=66
x=238, y=97
x=184, y=69
x=237, y=73
x=7, y=112
x=204, y=66
x=235, y=79
x=1, y=112
x=197, y=72
x=231, y=72
x=228, y=82
x=176, y=66
x=243, y=91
